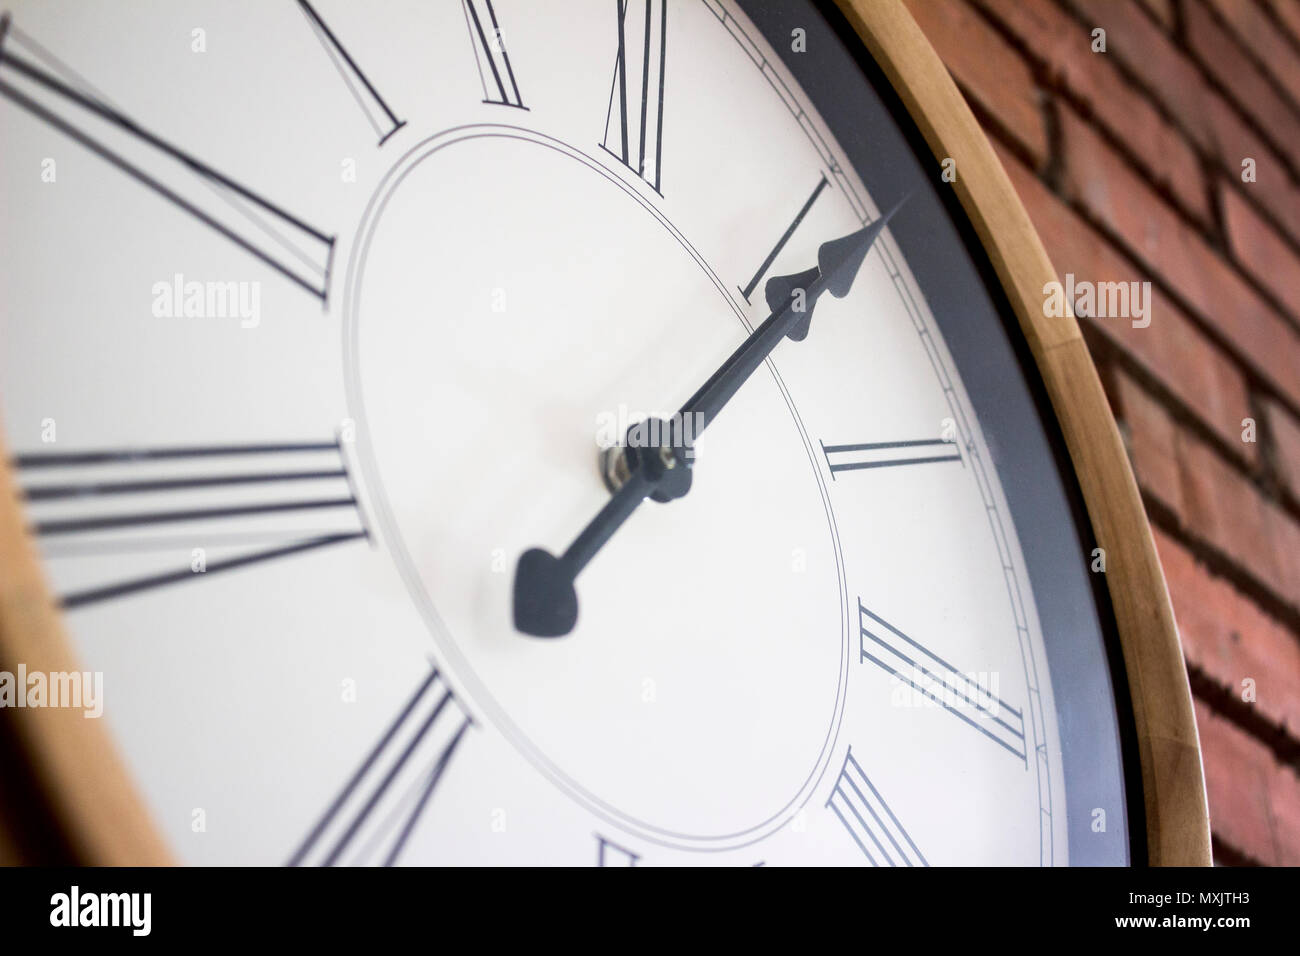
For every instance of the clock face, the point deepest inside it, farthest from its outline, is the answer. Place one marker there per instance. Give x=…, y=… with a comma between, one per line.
x=318, y=317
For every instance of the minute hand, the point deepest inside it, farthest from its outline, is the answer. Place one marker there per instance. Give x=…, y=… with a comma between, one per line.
x=791, y=299
x=545, y=601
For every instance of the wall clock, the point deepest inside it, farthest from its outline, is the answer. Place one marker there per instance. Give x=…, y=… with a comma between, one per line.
x=498, y=432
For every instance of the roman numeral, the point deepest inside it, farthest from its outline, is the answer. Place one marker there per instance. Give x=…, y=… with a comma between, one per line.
x=963, y=695
x=889, y=454
x=381, y=119
x=609, y=853
x=34, y=81
x=374, y=815
x=245, y=504
x=632, y=135
x=750, y=286
x=499, y=85
x=873, y=826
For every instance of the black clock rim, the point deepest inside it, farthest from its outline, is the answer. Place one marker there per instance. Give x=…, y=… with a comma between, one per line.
x=774, y=22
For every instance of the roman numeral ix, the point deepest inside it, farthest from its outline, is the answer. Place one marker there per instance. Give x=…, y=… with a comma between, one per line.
x=963, y=696
x=633, y=135
x=372, y=818
x=32, y=79
x=873, y=826
x=243, y=504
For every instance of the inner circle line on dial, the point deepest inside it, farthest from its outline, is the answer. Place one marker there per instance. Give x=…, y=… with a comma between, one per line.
x=463, y=669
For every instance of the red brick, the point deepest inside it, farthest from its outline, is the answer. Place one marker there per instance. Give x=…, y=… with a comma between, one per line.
x=1225, y=60
x=1229, y=639
x=1285, y=534
x=1272, y=190
x=1061, y=47
x=1260, y=251
x=1284, y=429
x=1213, y=502
x=1176, y=83
x=1171, y=348
x=1227, y=511
x=1286, y=810
x=1161, y=10
x=987, y=69
x=1287, y=13
x=1098, y=179
x=1260, y=34
x=1152, y=444
x=1253, y=806
x=1152, y=57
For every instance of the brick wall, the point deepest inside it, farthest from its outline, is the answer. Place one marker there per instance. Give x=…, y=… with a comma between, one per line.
x=1130, y=162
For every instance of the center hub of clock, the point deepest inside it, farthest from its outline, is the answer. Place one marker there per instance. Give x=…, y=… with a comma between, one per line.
x=490, y=343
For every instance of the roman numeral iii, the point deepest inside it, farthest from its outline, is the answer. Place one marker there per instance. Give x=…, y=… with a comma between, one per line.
x=888, y=454
x=634, y=122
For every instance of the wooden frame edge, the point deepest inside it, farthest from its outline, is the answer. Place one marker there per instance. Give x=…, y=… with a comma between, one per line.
x=73, y=760
x=1177, y=818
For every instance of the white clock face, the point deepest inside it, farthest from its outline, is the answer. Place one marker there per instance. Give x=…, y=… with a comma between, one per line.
x=317, y=317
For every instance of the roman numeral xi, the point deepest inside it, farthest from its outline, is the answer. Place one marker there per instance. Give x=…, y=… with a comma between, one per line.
x=499, y=85
x=377, y=112
x=634, y=130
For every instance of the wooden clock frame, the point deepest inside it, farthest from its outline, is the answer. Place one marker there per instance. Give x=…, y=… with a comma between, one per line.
x=81, y=791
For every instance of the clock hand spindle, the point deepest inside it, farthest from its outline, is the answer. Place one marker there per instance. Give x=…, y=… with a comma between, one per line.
x=656, y=460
